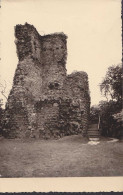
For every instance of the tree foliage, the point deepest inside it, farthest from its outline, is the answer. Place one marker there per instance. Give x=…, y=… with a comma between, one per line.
x=94, y=114
x=111, y=85
x=2, y=96
x=111, y=118
x=109, y=125
x=110, y=121
x=3, y=89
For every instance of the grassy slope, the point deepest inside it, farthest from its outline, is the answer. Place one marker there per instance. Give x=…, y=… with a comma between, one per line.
x=68, y=157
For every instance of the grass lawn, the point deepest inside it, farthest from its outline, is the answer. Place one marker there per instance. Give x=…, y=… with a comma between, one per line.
x=67, y=157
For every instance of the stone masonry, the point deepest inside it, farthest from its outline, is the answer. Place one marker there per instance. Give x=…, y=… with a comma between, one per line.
x=44, y=101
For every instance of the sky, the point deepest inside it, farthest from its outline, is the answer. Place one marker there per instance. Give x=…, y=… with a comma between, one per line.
x=93, y=28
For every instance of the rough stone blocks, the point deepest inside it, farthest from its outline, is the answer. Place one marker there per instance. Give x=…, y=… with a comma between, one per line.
x=44, y=101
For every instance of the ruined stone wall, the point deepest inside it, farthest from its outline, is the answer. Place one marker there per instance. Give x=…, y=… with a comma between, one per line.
x=44, y=101
x=27, y=42
x=54, y=54
x=76, y=88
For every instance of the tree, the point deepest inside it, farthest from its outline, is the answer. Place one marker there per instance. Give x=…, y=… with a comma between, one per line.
x=109, y=125
x=3, y=89
x=2, y=97
x=94, y=114
x=111, y=85
x=111, y=88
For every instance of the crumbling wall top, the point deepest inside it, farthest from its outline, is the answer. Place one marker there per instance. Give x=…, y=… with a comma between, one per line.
x=30, y=43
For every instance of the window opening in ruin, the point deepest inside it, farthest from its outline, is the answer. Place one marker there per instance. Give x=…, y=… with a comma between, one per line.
x=56, y=85
x=53, y=85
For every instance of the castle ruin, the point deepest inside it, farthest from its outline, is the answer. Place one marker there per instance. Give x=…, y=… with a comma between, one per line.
x=44, y=101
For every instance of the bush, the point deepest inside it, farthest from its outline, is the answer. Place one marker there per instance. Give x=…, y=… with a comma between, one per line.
x=109, y=125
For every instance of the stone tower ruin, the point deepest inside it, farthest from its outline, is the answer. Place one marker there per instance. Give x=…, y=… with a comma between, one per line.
x=44, y=101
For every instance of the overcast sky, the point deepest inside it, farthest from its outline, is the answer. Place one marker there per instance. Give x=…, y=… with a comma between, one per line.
x=93, y=28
